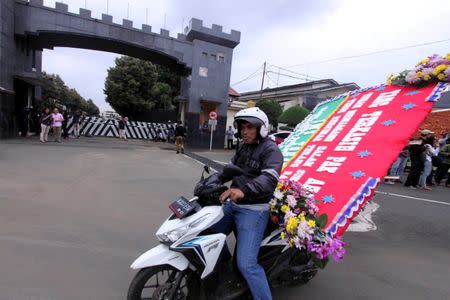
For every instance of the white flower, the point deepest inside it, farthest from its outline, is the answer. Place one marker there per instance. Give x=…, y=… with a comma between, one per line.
x=278, y=194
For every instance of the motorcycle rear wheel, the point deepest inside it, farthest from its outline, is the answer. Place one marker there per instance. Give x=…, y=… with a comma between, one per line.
x=159, y=283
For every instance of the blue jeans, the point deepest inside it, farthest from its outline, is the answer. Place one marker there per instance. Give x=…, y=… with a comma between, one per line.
x=398, y=167
x=249, y=226
x=426, y=171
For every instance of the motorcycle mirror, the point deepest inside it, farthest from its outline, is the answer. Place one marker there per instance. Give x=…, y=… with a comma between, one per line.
x=206, y=168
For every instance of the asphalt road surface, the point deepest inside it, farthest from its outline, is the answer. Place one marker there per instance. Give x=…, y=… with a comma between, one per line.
x=74, y=216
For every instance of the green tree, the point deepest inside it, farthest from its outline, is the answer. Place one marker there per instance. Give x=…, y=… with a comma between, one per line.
x=293, y=115
x=135, y=86
x=272, y=109
x=57, y=90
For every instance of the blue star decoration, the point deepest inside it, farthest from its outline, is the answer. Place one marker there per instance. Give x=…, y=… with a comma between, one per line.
x=328, y=199
x=412, y=93
x=381, y=88
x=357, y=174
x=364, y=153
x=408, y=106
x=388, y=122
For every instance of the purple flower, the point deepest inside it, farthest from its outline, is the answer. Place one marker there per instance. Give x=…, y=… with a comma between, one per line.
x=447, y=74
x=291, y=201
x=412, y=78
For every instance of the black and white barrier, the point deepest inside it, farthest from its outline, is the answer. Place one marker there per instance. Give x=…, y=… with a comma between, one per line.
x=97, y=126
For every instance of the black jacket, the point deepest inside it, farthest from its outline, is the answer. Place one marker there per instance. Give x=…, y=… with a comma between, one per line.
x=262, y=163
x=180, y=130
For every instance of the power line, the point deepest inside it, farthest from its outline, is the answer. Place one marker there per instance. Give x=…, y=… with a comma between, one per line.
x=369, y=53
x=268, y=77
x=297, y=73
x=248, y=77
x=287, y=75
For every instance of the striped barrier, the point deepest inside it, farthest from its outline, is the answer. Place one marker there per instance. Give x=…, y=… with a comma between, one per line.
x=97, y=126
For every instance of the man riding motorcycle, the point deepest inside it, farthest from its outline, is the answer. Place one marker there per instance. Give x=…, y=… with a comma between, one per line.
x=246, y=202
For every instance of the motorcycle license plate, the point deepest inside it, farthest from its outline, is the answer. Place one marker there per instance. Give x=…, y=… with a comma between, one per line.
x=181, y=207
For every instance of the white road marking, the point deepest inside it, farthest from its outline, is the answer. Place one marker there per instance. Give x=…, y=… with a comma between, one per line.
x=199, y=162
x=414, y=198
x=363, y=221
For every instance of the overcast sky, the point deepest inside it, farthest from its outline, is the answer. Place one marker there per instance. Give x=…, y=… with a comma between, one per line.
x=299, y=35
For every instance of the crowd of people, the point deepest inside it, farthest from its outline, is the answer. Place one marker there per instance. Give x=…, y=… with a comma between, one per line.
x=430, y=162
x=57, y=123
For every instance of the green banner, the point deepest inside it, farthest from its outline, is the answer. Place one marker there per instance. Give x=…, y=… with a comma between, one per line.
x=308, y=126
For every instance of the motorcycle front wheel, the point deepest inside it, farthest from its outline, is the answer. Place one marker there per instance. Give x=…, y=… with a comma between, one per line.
x=164, y=283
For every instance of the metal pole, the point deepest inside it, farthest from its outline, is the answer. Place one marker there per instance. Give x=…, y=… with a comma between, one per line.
x=128, y=11
x=107, y=7
x=146, y=16
x=262, y=81
x=210, y=140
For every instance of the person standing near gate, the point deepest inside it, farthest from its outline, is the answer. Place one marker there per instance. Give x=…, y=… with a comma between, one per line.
x=230, y=135
x=180, y=135
x=76, y=123
x=57, y=120
x=45, y=121
x=122, y=126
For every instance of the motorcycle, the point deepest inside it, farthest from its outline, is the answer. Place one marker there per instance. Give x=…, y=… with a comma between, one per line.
x=187, y=264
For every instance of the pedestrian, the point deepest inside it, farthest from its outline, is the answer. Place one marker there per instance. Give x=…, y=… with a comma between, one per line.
x=399, y=165
x=122, y=128
x=230, y=135
x=46, y=122
x=246, y=202
x=57, y=119
x=76, y=118
x=170, y=133
x=180, y=135
x=65, y=131
x=416, y=148
x=443, y=171
x=427, y=158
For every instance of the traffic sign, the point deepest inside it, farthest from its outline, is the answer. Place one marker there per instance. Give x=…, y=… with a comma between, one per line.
x=212, y=122
x=213, y=115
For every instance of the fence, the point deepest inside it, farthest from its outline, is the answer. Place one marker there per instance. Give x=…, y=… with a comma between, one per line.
x=97, y=126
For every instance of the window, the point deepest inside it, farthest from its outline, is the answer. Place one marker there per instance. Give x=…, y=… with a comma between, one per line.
x=214, y=56
x=221, y=57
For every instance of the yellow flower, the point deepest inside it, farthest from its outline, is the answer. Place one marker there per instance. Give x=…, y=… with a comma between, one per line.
x=282, y=235
x=389, y=79
x=423, y=61
x=427, y=77
x=311, y=223
x=441, y=76
x=284, y=208
x=439, y=69
x=447, y=57
x=292, y=225
x=279, y=185
x=419, y=74
x=302, y=216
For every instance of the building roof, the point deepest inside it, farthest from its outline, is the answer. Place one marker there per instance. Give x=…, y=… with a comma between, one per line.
x=328, y=83
x=232, y=92
x=437, y=122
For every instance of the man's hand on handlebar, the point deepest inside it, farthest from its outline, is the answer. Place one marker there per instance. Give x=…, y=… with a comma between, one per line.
x=232, y=193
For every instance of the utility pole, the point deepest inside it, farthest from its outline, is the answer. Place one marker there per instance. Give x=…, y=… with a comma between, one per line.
x=262, y=81
x=107, y=7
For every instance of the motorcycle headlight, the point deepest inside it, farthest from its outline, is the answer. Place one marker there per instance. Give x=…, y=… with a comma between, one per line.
x=176, y=234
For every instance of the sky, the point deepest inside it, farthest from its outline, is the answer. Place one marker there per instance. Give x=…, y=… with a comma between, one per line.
x=307, y=39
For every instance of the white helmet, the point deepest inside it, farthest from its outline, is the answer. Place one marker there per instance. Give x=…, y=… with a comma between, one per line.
x=255, y=116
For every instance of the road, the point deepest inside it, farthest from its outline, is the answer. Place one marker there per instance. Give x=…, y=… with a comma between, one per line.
x=74, y=216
